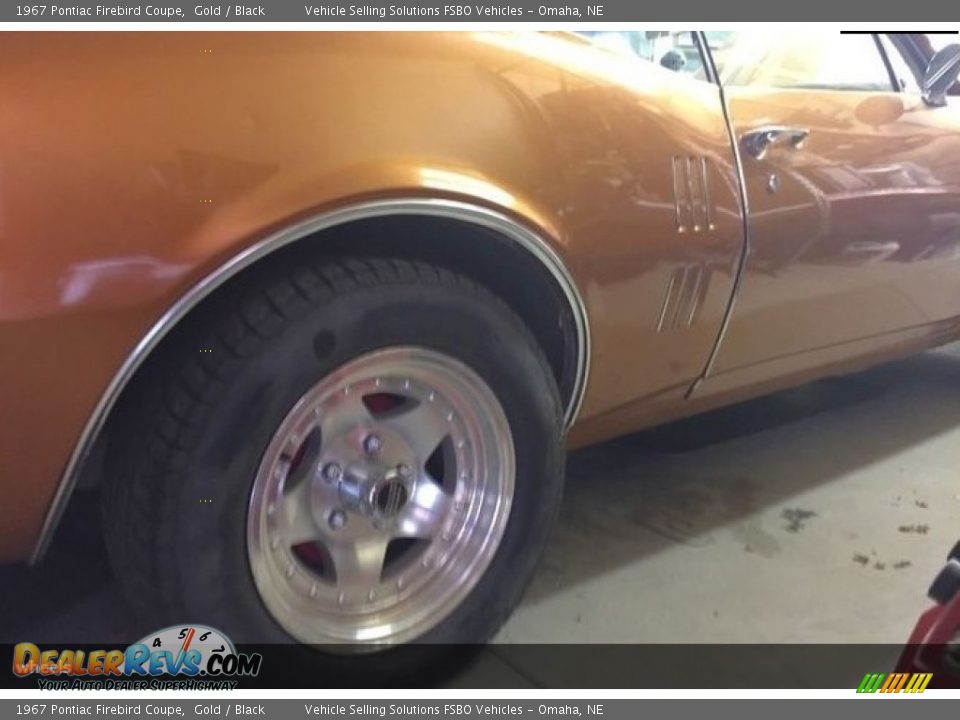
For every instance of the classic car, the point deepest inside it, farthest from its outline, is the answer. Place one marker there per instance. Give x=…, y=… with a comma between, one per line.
x=319, y=314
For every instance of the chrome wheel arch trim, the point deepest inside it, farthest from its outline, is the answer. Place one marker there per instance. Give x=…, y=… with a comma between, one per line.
x=478, y=215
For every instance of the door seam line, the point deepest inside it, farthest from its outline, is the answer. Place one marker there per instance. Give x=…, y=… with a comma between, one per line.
x=745, y=247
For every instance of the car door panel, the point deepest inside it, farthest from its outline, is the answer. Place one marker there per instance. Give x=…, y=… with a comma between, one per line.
x=852, y=235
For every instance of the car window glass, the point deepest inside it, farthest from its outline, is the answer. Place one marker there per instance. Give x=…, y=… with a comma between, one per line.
x=674, y=50
x=825, y=60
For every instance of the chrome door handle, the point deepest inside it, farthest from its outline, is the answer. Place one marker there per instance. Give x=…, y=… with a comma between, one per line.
x=757, y=141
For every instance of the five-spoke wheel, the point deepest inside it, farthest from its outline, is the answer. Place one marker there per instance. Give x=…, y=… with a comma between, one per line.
x=381, y=498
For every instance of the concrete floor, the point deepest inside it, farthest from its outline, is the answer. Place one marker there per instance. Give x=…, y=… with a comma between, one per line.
x=818, y=515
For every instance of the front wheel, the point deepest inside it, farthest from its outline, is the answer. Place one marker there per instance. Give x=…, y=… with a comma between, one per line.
x=365, y=454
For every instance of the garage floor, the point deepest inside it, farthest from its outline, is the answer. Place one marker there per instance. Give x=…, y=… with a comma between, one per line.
x=818, y=515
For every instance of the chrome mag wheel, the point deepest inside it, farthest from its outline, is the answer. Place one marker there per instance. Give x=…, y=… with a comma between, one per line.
x=381, y=499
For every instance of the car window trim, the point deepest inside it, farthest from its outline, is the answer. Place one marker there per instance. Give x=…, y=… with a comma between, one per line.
x=706, y=57
x=891, y=72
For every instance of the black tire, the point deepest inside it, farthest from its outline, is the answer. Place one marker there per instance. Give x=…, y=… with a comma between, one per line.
x=192, y=431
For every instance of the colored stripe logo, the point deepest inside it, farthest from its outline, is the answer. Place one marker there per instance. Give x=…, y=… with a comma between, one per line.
x=894, y=682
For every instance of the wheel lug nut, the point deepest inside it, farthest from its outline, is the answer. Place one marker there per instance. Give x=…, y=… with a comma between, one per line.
x=332, y=472
x=372, y=444
x=337, y=519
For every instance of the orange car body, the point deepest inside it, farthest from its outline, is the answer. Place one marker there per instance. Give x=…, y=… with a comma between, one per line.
x=135, y=165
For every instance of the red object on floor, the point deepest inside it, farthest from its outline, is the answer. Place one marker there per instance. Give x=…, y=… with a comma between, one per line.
x=934, y=644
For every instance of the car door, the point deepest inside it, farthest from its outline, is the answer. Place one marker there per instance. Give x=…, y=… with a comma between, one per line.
x=853, y=191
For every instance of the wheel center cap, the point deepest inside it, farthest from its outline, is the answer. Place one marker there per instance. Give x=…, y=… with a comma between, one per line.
x=376, y=492
x=388, y=496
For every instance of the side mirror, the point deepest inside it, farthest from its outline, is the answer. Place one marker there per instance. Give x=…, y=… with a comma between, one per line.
x=673, y=60
x=941, y=74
